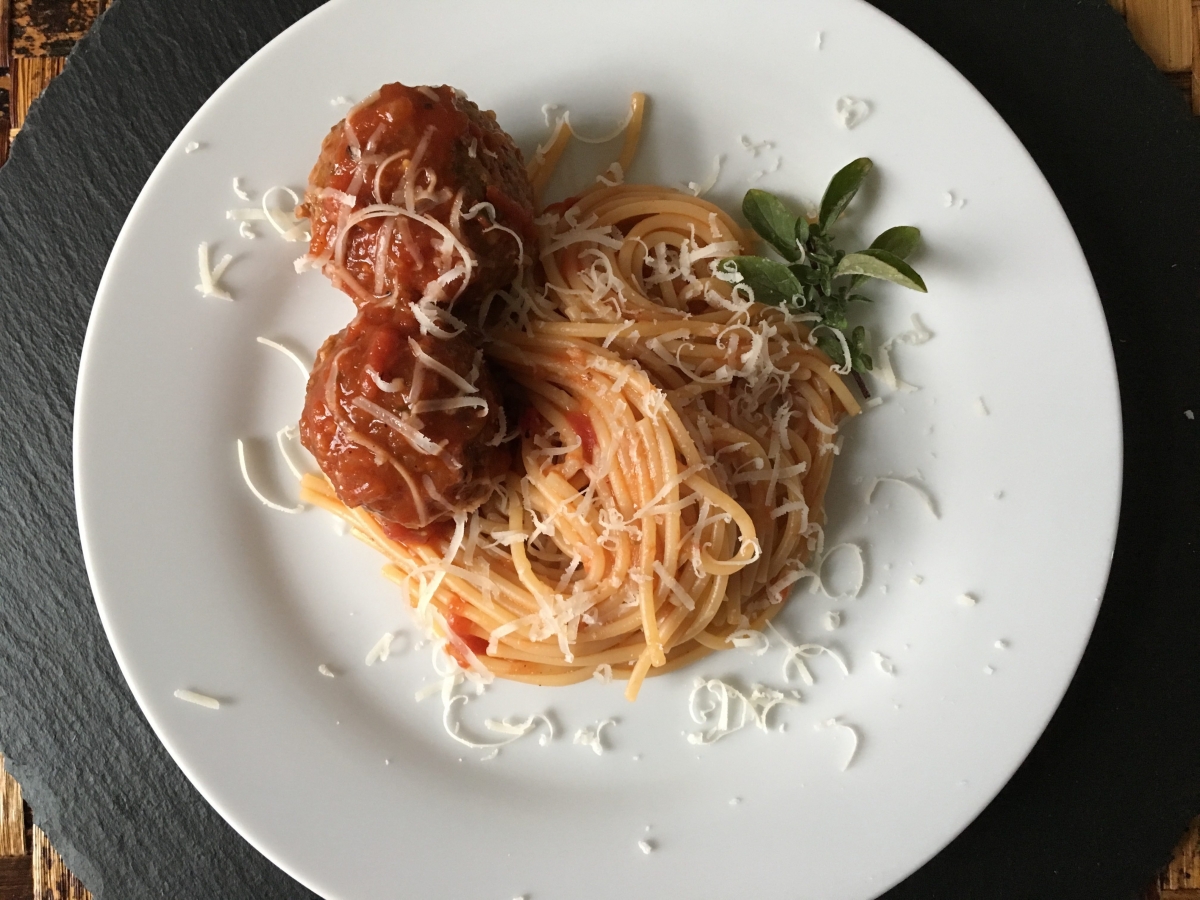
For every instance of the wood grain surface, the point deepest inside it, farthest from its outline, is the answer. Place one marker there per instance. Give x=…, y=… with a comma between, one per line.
x=35, y=38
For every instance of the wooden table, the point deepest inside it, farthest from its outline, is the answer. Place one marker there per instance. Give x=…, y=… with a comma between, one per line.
x=35, y=38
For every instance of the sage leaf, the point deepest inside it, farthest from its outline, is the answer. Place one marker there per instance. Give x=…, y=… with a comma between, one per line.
x=774, y=223
x=900, y=241
x=842, y=188
x=801, y=230
x=772, y=282
x=875, y=263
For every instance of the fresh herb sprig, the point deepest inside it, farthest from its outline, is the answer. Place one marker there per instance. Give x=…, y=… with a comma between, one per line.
x=817, y=277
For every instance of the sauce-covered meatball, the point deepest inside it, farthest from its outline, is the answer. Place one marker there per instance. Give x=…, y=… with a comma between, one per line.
x=403, y=424
x=418, y=194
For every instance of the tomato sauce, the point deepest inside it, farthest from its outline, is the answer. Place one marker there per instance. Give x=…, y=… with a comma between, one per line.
x=581, y=424
x=464, y=157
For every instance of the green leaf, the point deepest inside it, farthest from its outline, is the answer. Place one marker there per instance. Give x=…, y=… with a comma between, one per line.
x=832, y=348
x=772, y=282
x=900, y=241
x=874, y=263
x=842, y=188
x=860, y=361
x=801, y=229
x=774, y=223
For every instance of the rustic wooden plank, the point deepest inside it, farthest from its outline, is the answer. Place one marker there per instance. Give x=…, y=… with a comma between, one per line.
x=1188, y=894
x=4, y=119
x=5, y=12
x=51, y=27
x=30, y=75
x=1182, y=81
x=1184, y=871
x=16, y=878
x=51, y=879
x=1196, y=57
x=1163, y=28
x=12, y=816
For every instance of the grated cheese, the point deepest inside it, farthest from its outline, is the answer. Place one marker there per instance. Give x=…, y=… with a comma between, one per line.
x=198, y=699
x=833, y=620
x=447, y=685
x=755, y=147
x=753, y=642
x=755, y=707
x=851, y=730
x=445, y=371
x=239, y=190
x=592, y=736
x=290, y=433
x=818, y=571
x=798, y=653
x=241, y=449
x=966, y=599
x=381, y=651
x=326, y=671
x=603, y=673
x=883, y=663
x=919, y=490
x=851, y=111
x=699, y=189
x=191, y=147
x=646, y=847
x=209, y=277
x=290, y=354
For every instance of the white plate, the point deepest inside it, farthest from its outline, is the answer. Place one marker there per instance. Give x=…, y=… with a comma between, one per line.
x=353, y=787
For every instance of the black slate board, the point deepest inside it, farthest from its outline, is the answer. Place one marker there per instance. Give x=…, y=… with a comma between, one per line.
x=1096, y=807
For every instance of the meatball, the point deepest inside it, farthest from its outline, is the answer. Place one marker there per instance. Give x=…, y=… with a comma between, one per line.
x=405, y=425
x=395, y=200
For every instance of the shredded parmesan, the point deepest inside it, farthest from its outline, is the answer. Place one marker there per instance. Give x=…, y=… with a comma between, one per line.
x=699, y=189
x=729, y=709
x=591, y=736
x=966, y=599
x=239, y=190
x=513, y=730
x=883, y=663
x=646, y=847
x=911, y=484
x=290, y=354
x=445, y=371
x=753, y=642
x=241, y=448
x=833, y=620
x=755, y=147
x=381, y=651
x=198, y=699
x=191, y=147
x=798, y=653
x=209, y=285
x=851, y=111
x=849, y=729
x=326, y=671
x=919, y=334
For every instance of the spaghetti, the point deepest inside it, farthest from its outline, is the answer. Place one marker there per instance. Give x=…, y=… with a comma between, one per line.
x=671, y=461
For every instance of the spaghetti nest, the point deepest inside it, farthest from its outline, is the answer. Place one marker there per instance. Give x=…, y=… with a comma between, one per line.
x=674, y=453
